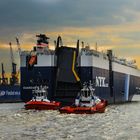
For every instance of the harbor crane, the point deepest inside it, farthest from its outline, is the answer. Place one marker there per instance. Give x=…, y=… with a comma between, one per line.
x=18, y=46
x=14, y=78
x=3, y=79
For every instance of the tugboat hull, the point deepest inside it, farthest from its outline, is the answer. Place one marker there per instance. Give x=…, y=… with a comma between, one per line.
x=99, y=108
x=42, y=105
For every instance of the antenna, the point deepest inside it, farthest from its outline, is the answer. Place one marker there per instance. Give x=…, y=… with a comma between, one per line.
x=82, y=44
x=96, y=46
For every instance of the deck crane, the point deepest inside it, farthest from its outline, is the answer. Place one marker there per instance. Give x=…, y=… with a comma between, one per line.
x=14, y=78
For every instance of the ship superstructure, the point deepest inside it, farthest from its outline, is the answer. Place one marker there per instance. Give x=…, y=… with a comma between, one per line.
x=37, y=67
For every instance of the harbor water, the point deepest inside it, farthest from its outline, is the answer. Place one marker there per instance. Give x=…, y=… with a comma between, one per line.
x=119, y=122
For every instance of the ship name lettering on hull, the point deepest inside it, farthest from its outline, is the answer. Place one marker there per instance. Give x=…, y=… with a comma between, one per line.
x=100, y=82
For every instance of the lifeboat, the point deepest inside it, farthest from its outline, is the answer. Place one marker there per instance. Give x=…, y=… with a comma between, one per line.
x=40, y=101
x=32, y=60
x=86, y=103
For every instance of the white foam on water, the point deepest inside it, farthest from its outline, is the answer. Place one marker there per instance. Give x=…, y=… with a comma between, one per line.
x=118, y=122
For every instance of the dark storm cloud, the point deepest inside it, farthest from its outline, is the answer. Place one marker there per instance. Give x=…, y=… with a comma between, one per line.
x=36, y=13
x=30, y=16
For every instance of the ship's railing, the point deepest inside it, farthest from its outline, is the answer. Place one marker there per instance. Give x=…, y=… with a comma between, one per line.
x=87, y=51
x=122, y=61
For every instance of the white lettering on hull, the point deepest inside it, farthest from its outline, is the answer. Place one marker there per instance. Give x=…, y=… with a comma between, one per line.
x=100, y=82
x=11, y=93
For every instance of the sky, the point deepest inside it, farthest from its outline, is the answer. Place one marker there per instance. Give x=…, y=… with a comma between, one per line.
x=113, y=24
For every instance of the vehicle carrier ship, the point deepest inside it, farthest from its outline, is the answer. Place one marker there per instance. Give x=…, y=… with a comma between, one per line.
x=65, y=69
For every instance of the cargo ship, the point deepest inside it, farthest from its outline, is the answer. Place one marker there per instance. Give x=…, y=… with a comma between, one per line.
x=65, y=69
x=10, y=87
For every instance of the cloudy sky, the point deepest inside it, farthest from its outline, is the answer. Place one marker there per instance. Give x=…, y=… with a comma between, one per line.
x=111, y=23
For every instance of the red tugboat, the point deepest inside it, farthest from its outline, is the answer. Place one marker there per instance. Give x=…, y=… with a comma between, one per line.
x=40, y=101
x=86, y=102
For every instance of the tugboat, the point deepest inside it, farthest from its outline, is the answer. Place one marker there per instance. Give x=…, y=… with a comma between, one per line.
x=86, y=102
x=40, y=100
